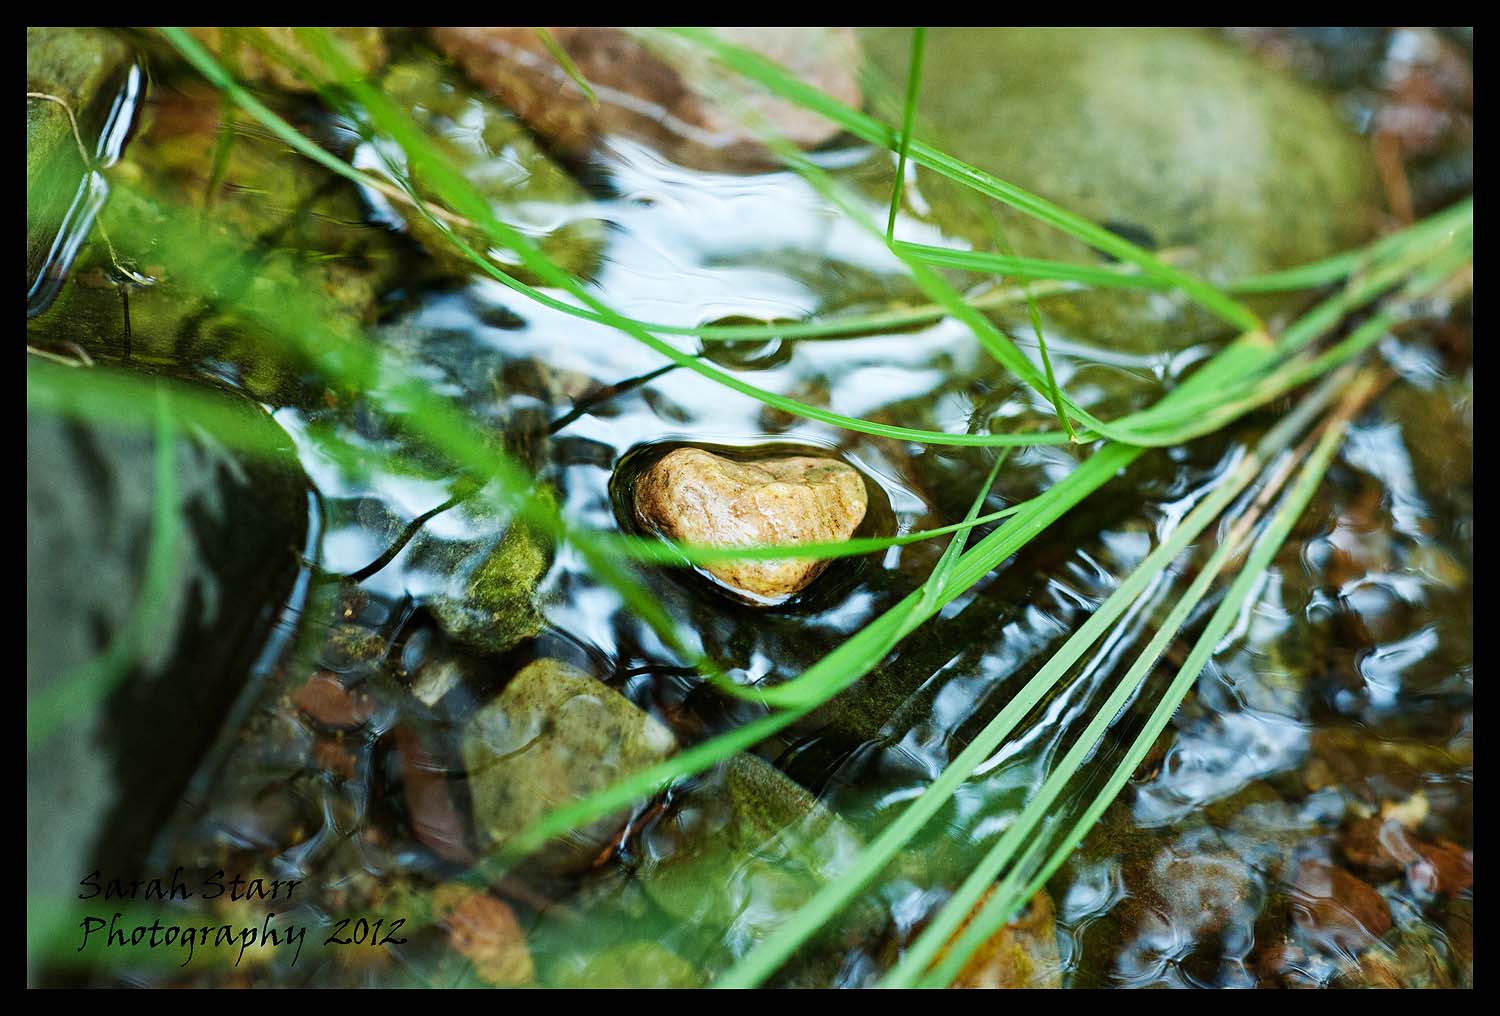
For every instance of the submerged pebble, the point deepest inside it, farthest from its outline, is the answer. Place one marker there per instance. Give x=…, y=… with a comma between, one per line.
x=1022, y=954
x=553, y=736
x=708, y=500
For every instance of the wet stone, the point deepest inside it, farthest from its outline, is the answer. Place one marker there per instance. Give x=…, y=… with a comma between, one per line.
x=1336, y=910
x=746, y=845
x=485, y=931
x=325, y=699
x=84, y=69
x=707, y=500
x=113, y=770
x=1171, y=138
x=498, y=609
x=294, y=229
x=554, y=735
x=1022, y=954
x=657, y=100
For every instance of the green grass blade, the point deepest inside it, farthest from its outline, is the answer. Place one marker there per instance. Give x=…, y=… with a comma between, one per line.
x=908, y=117
x=768, y=955
x=950, y=301
x=566, y=63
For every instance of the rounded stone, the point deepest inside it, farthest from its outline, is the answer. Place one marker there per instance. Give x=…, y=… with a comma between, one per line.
x=707, y=500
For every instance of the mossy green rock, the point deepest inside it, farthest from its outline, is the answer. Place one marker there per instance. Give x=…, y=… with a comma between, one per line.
x=82, y=67
x=295, y=231
x=500, y=159
x=1172, y=137
x=553, y=736
x=498, y=610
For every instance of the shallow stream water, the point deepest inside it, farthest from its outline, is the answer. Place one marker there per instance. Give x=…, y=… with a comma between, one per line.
x=1343, y=695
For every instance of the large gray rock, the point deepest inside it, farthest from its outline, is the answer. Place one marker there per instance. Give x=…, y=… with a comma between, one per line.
x=114, y=763
x=1173, y=138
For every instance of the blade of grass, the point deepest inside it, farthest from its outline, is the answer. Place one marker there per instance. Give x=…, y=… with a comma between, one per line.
x=566, y=63
x=992, y=338
x=1038, y=807
x=846, y=664
x=908, y=117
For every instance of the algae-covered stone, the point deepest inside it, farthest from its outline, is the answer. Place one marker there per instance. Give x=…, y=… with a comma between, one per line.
x=708, y=500
x=72, y=75
x=553, y=736
x=657, y=98
x=498, y=609
x=272, y=55
x=1171, y=138
x=266, y=229
x=499, y=158
x=747, y=847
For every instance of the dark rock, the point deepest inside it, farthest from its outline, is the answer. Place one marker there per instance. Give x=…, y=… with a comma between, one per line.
x=105, y=779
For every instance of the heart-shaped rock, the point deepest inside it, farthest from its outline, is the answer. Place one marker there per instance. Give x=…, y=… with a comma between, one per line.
x=707, y=500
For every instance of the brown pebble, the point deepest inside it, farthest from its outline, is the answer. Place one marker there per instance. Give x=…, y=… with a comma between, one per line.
x=1334, y=907
x=485, y=931
x=434, y=819
x=324, y=698
x=332, y=757
x=1442, y=867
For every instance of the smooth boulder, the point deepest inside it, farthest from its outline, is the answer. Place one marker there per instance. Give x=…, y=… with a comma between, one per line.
x=129, y=680
x=1172, y=138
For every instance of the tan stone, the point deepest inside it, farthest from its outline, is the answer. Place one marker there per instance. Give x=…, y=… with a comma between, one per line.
x=553, y=736
x=1022, y=954
x=707, y=500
